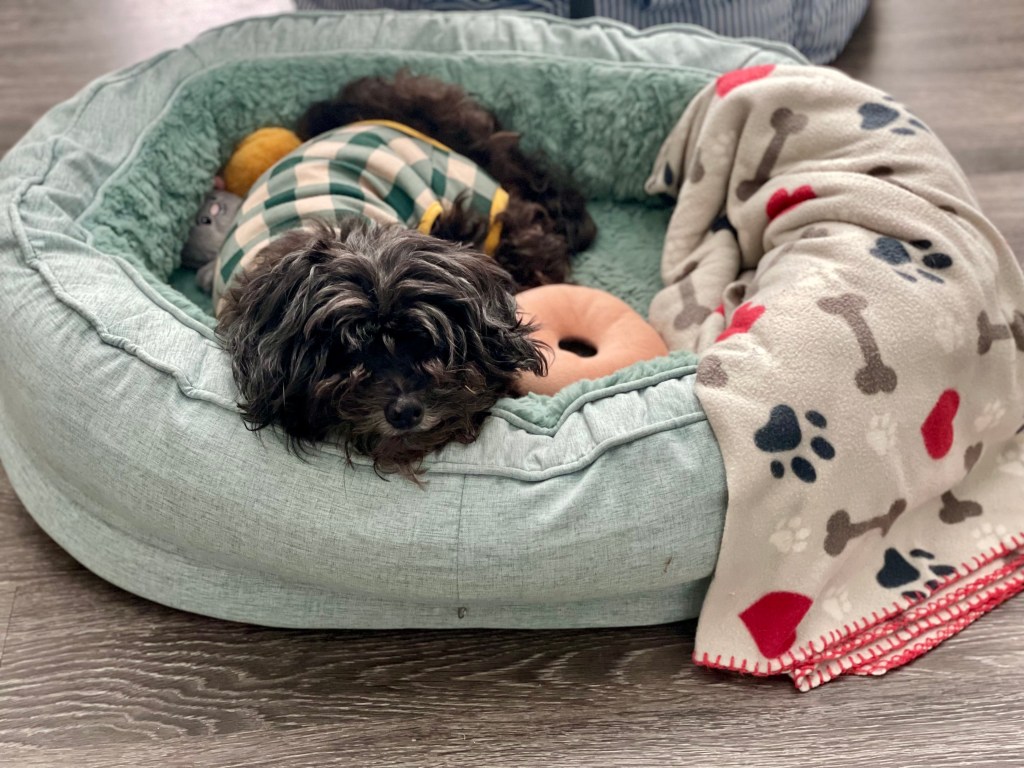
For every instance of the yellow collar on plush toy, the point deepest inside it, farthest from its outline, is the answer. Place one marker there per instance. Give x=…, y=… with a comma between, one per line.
x=435, y=209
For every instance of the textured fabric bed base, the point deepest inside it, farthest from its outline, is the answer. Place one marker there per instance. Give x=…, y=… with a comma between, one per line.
x=158, y=572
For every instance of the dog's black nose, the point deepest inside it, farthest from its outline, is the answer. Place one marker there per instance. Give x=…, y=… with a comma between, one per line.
x=404, y=412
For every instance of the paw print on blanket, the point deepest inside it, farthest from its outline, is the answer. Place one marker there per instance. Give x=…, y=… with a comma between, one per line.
x=993, y=413
x=790, y=535
x=876, y=116
x=898, y=572
x=836, y=603
x=989, y=536
x=1011, y=459
x=782, y=434
x=894, y=253
x=881, y=434
x=950, y=333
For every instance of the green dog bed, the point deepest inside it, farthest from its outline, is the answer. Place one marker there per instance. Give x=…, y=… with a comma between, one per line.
x=602, y=505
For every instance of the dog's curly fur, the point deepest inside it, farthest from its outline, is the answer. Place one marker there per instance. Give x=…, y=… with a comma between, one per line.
x=387, y=341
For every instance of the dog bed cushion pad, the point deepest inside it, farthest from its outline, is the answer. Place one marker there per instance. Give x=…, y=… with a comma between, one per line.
x=818, y=28
x=602, y=505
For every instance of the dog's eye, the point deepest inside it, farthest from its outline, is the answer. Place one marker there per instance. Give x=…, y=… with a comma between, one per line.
x=416, y=346
x=341, y=359
x=417, y=339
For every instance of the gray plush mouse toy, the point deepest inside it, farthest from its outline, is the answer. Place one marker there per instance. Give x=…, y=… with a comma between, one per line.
x=209, y=231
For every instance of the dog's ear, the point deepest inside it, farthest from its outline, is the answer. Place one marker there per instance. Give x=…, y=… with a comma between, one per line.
x=264, y=323
x=518, y=351
x=323, y=116
x=507, y=340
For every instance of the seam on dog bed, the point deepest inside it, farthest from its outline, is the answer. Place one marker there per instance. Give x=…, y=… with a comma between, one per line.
x=569, y=467
x=33, y=261
x=591, y=396
x=458, y=544
x=482, y=52
x=158, y=299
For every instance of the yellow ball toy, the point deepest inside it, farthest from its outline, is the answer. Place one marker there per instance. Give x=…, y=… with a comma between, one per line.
x=254, y=154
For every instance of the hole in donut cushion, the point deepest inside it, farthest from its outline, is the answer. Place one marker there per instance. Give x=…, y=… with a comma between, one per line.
x=578, y=347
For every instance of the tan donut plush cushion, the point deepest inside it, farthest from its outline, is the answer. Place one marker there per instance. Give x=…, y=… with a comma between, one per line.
x=589, y=333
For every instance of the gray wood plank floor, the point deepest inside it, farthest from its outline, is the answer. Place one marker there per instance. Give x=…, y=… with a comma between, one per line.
x=93, y=676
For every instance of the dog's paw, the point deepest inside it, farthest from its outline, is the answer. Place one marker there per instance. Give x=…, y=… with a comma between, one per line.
x=205, y=275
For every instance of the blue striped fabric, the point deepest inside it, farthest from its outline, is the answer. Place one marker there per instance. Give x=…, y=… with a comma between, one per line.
x=817, y=28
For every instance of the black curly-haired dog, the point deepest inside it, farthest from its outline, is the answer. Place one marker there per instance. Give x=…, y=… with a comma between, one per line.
x=385, y=340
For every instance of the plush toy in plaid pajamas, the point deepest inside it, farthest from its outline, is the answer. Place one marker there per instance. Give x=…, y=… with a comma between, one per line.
x=378, y=169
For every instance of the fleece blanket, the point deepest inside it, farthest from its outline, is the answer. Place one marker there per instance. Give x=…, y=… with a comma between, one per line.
x=861, y=328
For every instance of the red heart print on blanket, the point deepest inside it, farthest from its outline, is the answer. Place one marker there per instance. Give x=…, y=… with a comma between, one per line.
x=782, y=200
x=738, y=77
x=772, y=621
x=937, y=429
x=742, y=319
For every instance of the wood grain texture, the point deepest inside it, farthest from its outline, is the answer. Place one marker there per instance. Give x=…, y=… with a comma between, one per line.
x=50, y=49
x=7, y=595
x=100, y=678
x=94, y=677
x=26, y=552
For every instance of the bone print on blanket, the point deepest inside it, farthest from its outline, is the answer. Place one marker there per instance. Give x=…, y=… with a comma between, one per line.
x=860, y=325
